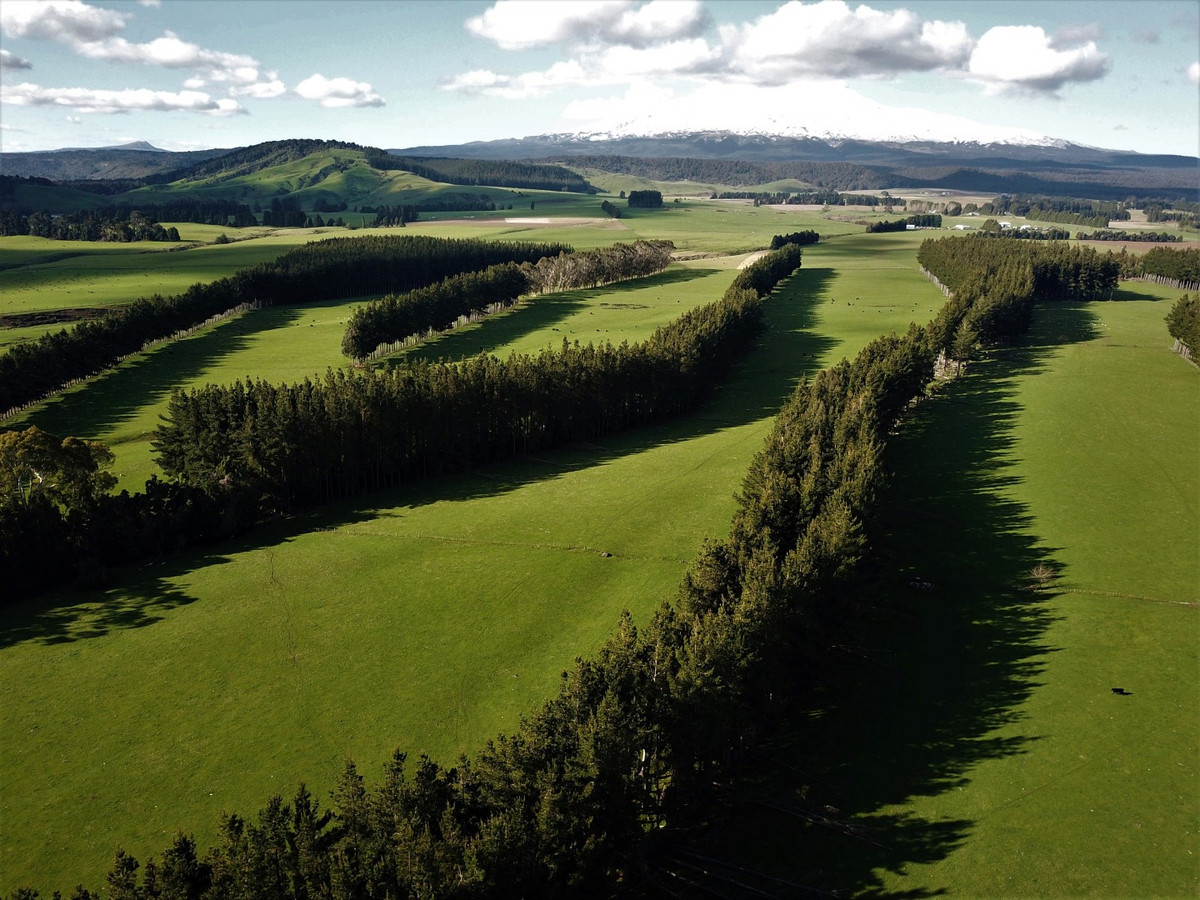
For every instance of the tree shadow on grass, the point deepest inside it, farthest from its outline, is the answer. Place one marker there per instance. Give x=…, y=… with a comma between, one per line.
x=756, y=388
x=945, y=645
x=120, y=394
x=536, y=314
x=145, y=599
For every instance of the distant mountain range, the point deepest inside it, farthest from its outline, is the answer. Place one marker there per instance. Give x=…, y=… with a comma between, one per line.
x=719, y=157
x=788, y=148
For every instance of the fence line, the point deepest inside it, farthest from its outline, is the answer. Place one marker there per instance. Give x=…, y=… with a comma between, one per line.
x=941, y=287
x=1178, y=283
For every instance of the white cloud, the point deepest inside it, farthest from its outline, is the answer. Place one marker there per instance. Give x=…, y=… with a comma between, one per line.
x=614, y=65
x=12, y=61
x=338, y=92
x=519, y=87
x=519, y=24
x=1023, y=58
x=1193, y=73
x=659, y=21
x=69, y=21
x=129, y=100
x=94, y=33
x=260, y=90
x=830, y=40
x=75, y=120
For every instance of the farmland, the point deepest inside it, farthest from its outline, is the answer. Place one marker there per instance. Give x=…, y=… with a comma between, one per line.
x=208, y=682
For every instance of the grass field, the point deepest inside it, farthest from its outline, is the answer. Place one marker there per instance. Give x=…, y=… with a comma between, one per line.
x=997, y=760
x=207, y=682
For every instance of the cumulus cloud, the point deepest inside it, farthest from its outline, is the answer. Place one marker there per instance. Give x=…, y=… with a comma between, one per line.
x=129, y=100
x=338, y=92
x=831, y=40
x=517, y=87
x=1024, y=58
x=95, y=33
x=519, y=24
x=614, y=65
x=1193, y=73
x=69, y=21
x=622, y=42
x=260, y=90
x=12, y=61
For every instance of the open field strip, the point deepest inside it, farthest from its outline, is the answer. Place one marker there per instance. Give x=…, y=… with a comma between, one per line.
x=971, y=743
x=1097, y=793
x=205, y=683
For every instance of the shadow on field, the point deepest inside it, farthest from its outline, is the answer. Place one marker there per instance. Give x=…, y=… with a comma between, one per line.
x=118, y=395
x=143, y=600
x=945, y=645
x=755, y=389
x=540, y=313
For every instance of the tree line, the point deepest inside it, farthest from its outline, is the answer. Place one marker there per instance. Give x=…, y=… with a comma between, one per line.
x=640, y=732
x=1176, y=265
x=1059, y=210
x=1148, y=237
x=347, y=433
x=320, y=270
x=116, y=225
x=394, y=318
x=992, y=228
x=800, y=238
x=920, y=220
x=993, y=286
x=1183, y=323
x=645, y=199
x=500, y=173
x=810, y=198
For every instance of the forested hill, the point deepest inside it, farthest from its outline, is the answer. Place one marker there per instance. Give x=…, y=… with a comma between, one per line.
x=501, y=173
x=142, y=167
x=248, y=160
x=736, y=159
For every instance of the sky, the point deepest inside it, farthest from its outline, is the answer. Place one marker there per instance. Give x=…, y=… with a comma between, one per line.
x=196, y=74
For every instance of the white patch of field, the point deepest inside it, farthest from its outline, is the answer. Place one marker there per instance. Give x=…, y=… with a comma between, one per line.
x=752, y=258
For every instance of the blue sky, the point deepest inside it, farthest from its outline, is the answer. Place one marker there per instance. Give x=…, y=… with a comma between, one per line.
x=186, y=74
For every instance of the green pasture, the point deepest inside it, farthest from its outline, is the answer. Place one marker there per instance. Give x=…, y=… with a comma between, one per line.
x=94, y=277
x=290, y=343
x=157, y=702
x=994, y=761
x=970, y=743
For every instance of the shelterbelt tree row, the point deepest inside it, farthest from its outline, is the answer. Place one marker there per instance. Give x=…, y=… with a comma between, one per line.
x=237, y=454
